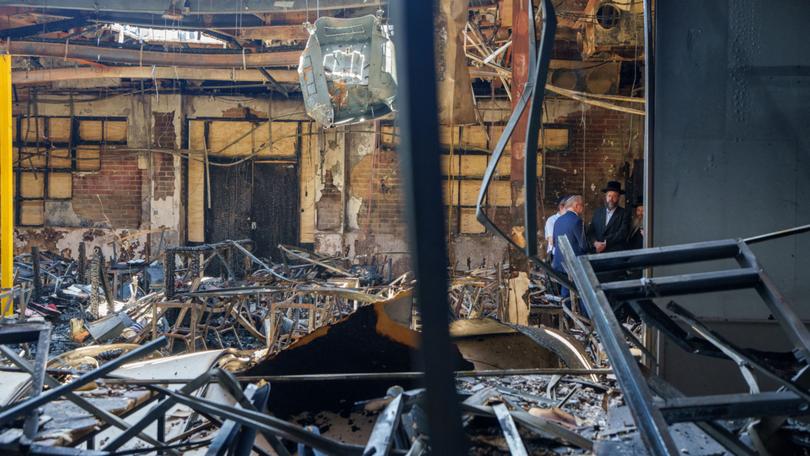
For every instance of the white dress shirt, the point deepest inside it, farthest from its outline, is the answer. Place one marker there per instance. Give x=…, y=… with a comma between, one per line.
x=550, y=231
x=609, y=215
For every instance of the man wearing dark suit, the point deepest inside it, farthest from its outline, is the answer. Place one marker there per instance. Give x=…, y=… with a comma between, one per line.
x=571, y=225
x=608, y=229
x=635, y=234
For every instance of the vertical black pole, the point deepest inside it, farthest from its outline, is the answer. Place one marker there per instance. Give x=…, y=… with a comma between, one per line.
x=168, y=273
x=651, y=336
x=649, y=121
x=161, y=429
x=37, y=278
x=419, y=164
x=82, y=262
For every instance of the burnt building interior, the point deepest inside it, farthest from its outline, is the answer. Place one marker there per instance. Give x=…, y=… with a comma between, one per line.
x=371, y=227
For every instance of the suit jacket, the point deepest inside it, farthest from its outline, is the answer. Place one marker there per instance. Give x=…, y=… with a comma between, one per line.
x=634, y=239
x=571, y=225
x=615, y=232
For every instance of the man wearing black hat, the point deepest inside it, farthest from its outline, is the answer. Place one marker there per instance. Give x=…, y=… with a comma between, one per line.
x=635, y=226
x=608, y=229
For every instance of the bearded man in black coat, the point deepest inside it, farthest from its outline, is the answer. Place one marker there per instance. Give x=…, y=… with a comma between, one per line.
x=609, y=227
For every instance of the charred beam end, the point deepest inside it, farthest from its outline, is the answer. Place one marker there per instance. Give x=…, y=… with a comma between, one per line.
x=705, y=282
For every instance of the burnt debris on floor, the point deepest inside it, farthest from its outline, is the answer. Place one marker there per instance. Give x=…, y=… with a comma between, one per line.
x=321, y=347
x=343, y=227
x=310, y=355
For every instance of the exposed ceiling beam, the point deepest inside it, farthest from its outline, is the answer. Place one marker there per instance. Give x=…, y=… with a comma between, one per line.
x=203, y=7
x=21, y=77
x=273, y=33
x=60, y=25
x=184, y=58
x=194, y=22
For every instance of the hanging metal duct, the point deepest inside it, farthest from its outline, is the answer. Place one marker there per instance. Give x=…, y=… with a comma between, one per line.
x=348, y=71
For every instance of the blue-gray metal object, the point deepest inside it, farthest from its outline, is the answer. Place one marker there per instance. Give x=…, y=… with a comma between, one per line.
x=348, y=70
x=510, y=431
x=649, y=420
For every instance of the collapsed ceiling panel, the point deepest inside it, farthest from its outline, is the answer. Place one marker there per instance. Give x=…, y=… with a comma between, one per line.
x=348, y=71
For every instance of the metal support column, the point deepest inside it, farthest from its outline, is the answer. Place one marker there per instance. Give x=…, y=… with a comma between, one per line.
x=522, y=66
x=421, y=175
x=6, y=187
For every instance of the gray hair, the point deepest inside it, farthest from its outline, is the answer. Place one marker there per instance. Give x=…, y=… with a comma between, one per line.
x=569, y=203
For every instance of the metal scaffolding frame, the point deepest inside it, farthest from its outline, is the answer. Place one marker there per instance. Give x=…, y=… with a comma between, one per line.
x=652, y=416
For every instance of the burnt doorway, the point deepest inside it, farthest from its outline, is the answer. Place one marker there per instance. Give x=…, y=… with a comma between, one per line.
x=275, y=208
x=228, y=215
x=257, y=201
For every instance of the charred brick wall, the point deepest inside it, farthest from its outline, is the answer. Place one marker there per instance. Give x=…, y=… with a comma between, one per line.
x=602, y=146
x=376, y=180
x=114, y=192
x=164, y=137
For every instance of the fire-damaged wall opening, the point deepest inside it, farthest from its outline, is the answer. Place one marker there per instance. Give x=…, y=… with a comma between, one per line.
x=254, y=201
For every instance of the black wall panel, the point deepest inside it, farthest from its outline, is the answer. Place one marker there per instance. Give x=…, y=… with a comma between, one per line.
x=732, y=150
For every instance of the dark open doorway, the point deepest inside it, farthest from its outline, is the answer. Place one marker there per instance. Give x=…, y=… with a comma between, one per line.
x=258, y=201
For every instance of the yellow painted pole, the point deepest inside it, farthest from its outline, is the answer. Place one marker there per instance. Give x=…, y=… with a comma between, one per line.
x=6, y=187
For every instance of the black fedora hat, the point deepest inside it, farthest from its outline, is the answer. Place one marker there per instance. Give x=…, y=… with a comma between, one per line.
x=613, y=186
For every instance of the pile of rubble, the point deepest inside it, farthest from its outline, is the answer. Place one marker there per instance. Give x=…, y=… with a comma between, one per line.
x=314, y=355
x=195, y=340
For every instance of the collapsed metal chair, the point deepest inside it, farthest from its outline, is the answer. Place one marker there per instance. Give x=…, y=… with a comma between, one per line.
x=652, y=416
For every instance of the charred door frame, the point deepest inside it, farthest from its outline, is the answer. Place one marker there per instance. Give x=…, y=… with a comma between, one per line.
x=294, y=160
